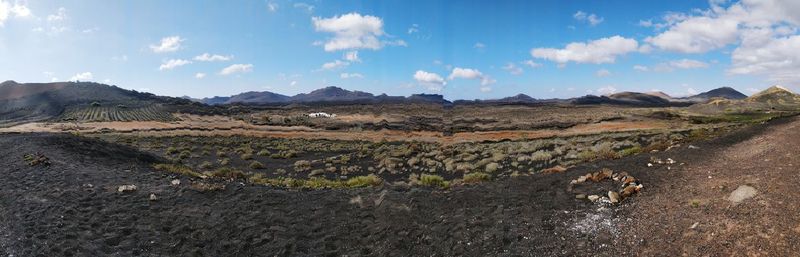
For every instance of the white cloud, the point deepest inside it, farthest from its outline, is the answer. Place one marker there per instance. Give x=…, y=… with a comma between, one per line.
x=304, y=6
x=778, y=59
x=293, y=83
x=60, y=15
x=602, y=73
x=413, y=29
x=433, y=81
x=672, y=65
x=429, y=77
x=272, y=6
x=351, y=76
x=17, y=10
x=486, y=89
x=607, y=90
x=168, y=44
x=604, y=50
x=697, y=35
x=479, y=45
x=465, y=73
x=173, y=63
x=334, y=65
x=352, y=56
x=532, y=64
x=351, y=31
x=206, y=57
x=236, y=68
x=513, y=69
x=82, y=76
x=688, y=64
x=199, y=75
x=592, y=19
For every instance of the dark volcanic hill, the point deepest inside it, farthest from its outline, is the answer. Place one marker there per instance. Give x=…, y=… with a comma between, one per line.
x=723, y=92
x=626, y=98
x=258, y=97
x=330, y=94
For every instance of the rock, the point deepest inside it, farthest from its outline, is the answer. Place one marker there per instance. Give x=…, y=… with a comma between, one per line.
x=649, y=164
x=581, y=179
x=613, y=197
x=175, y=182
x=580, y=196
x=492, y=167
x=556, y=169
x=742, y=193
x=694, y=226
x=693, y=147
x=593, y=198
x=153, y=197
x=628, y=191
x=126, y=188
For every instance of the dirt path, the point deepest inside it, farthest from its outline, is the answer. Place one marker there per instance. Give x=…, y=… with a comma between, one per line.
x=686, y=212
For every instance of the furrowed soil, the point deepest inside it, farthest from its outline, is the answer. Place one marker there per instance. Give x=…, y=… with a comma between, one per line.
x=73, y=208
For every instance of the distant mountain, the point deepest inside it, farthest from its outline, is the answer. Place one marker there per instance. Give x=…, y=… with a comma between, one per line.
x=517, y=99
x=723, y=92
x=323, y=95
x=257, y=97
x=659, y=94
x=626, y=98
x=330, y=94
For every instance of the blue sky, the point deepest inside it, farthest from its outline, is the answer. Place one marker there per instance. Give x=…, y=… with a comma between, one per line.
x=461, y=49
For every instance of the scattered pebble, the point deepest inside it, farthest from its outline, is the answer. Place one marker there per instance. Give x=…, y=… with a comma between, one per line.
x=594, y=198
x=175, y=182
x=153, y=197
x=613, y=197
x=126, y=188
x=694, y=226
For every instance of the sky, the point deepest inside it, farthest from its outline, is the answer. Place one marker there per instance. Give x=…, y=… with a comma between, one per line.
x=461, y=49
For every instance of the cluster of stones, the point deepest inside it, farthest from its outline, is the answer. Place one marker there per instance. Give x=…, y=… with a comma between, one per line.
x=629, y=186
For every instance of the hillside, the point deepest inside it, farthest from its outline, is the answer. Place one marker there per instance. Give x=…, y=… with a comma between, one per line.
x=84, y=101
x=775, y=98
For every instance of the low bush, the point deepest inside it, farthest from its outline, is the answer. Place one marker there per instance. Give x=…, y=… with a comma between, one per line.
x=177, y=168
x=256, y=165
x=228, y=173
x=475, y=177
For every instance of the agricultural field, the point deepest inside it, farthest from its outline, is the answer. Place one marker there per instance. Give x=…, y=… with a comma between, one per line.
x=98, y=113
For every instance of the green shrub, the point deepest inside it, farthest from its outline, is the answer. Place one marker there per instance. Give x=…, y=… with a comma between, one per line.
x=172, y=150
x=256, y=165
x=224, y=161
x=246, y=156
x=475, y=177
x=631, y=151
x=177, y=168
x=264, y=152
x=431, y=180
x=228, y=173
x=184, y=154
x=364, y=181
x=205, y=165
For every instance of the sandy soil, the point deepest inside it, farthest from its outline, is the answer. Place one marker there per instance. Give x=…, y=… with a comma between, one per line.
x=687, y=208
x=72, y=208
